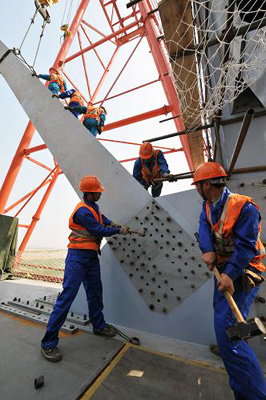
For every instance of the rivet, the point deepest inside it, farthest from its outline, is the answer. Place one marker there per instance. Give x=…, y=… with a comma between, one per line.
x=71, y=326
x=131, y=263
x=19, y=299
x=156, y=230
x=185, y=277
x=158, y=208
x=141, y=277
x=44, y=297
x=153, y=279
x=165, y=295
x=161, y=236
x=133, y=251
x=168, y=230
x=152, y=292
x=172, y=289
x=166, y=255
x=122, y=261
x=28, y=302
x=159, y=273
x=162, y=224
x=136, y=218
x=155, y=241
x=168, y=243
x=84, y=317
x=134, y=239
x=165, y=281
x=154, y=266
x=141, y=223
x=193, y=286
x=192, y=244
x=179, y=256
x=72, y=314
x=186, y=263
x=180, y=231
x=151, y=307
x=159, y=286
x=179, y=270
x=157, y=218
x=137, y=269
x=199, y=265
x=161, y=247
x=172, y=261
x=178, y=298
x=131, y=275
x=147, y=284
x=149, y=258
x=146, y=218
x=41, y=307
x=193, y=272
x=140, y=290
x=173, y=236
x=142, y=264
x=179, y=244
x=36, y=305
x=151, y=223
x=242, y=184
x=186, y=250
x=193, y=258
x=164, y=310
x=168, y=219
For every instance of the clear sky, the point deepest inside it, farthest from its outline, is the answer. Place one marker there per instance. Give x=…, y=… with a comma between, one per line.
x=52, y=229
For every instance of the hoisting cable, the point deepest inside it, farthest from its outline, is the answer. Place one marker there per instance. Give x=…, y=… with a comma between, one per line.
x=38, y=47
x=26, y=34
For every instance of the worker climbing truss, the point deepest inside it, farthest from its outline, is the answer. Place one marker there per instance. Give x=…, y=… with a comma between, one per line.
x=141, y=22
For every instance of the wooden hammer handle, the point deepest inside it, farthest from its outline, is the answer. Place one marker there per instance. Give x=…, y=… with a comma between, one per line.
x=230, y=299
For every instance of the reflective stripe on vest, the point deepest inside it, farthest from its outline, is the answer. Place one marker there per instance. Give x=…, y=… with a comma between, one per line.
x=76, y=97
x=155, y=173
x=224, y=234
x=59, y=80
x=79, y=237
x=93, y=112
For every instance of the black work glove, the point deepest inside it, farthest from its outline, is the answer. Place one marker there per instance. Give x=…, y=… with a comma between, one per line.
x=55, y=95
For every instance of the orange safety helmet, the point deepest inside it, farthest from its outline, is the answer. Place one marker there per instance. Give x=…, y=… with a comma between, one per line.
x=208, y=171
x=146, y=151
x=90, y=184
x=54, y=69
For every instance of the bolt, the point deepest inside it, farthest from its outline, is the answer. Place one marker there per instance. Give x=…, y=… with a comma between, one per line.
x=153, y=279
x=242, y=184
x=136, y=218
x=167, y=255
x=133, y=251
x=193, y=258
x=44, y=297
x=157, y=218
x=193, y=272
x=168, y=219
x=156, y=230
x=140, y=290
x=158, y=208
x=146, y=218
x=168, y=230
x=141, y=277
x=110, y=242
x=180, y=231
x=72, y=314
x=134, y=239
x=37, y=305
x=185, y=277
x=155, y=241
x=179, y=270
x=193, y=286
x=122, y=261
x=179, y=244
x=131, y=275
x=165, y=281
x=84, y=317
x=15, y=299
x=154, y=266
x=260, y=299
x=164, y=310
x=165, y=295
x=152, y=292
x=151, y=307
x=28, y=302
x=131, y=263
x=199, y=265
x=179, y=256
x=167, y=242
x=71, y=326
x=142, y=264
x=178, y=298
x=42, y=307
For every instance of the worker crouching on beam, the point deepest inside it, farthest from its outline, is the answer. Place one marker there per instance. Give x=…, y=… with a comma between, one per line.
x=75, y=100
x=229, y=237
x=88, y=227
x=94, y=118
x=150, y=165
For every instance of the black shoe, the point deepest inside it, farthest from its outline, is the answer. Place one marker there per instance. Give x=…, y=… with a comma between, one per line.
x=107, y=331
x=215, y=350
x=53, y=354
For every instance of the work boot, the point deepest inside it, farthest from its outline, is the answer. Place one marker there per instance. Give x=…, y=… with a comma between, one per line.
x=107, y=331
x=215, y=350
x=53, y=354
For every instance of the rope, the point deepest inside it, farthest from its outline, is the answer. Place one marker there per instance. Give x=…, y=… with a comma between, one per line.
x=38, y=47
x=31, y=23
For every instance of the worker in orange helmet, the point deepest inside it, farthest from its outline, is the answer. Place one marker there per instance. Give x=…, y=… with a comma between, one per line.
x=229, y=238
x=57, y=82
x=150, y=165
x=88, y=227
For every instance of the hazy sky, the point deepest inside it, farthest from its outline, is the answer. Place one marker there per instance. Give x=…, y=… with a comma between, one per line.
x=52, y=229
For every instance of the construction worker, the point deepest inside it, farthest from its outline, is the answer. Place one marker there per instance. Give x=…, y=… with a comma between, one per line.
x=75, y=100
x=57, y=83
x=94, y=117
x=229, y=238
x=150, y=165
x=88, y=227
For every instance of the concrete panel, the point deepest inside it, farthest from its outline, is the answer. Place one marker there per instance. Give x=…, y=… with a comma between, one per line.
x=75, y=149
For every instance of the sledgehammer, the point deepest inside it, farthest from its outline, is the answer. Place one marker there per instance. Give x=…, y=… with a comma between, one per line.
x=243, y=329
x=139, y=232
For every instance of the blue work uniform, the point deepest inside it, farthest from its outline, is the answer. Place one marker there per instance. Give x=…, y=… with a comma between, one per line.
x=245, y=374
x=137, y=174
x=53, y=86
x=82, y=266
x=91, y=124
x=67, y=94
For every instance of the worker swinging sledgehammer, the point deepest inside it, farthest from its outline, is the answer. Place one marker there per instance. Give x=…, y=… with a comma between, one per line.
x=75, y=100
x=229, y=237
x=88, y=227
x=94, y=118
x=150, y=165
x=57, y=82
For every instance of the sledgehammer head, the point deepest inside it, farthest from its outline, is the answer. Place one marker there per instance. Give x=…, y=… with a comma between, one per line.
x=246, y=330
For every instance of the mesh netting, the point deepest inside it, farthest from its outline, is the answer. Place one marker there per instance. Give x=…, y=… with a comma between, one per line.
x=46, y=265
x=218, y=50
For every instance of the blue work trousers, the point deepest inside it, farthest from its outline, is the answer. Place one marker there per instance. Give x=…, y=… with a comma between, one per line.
x=82, y=266
x=245, y=374
x=92, y=125
x=74, y=104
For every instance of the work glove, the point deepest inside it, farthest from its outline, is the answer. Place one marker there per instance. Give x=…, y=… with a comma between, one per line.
x=124, y=230
x=100, y=129
x=67, y=108
x=114, y=225
x=55, y=95
x=34, y=74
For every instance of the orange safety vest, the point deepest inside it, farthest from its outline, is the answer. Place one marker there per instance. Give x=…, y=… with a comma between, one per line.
x=76, y=96
x=93, y=112
x=223, y=230
x=79, y=237
x=56, y=78
x=155, y=173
